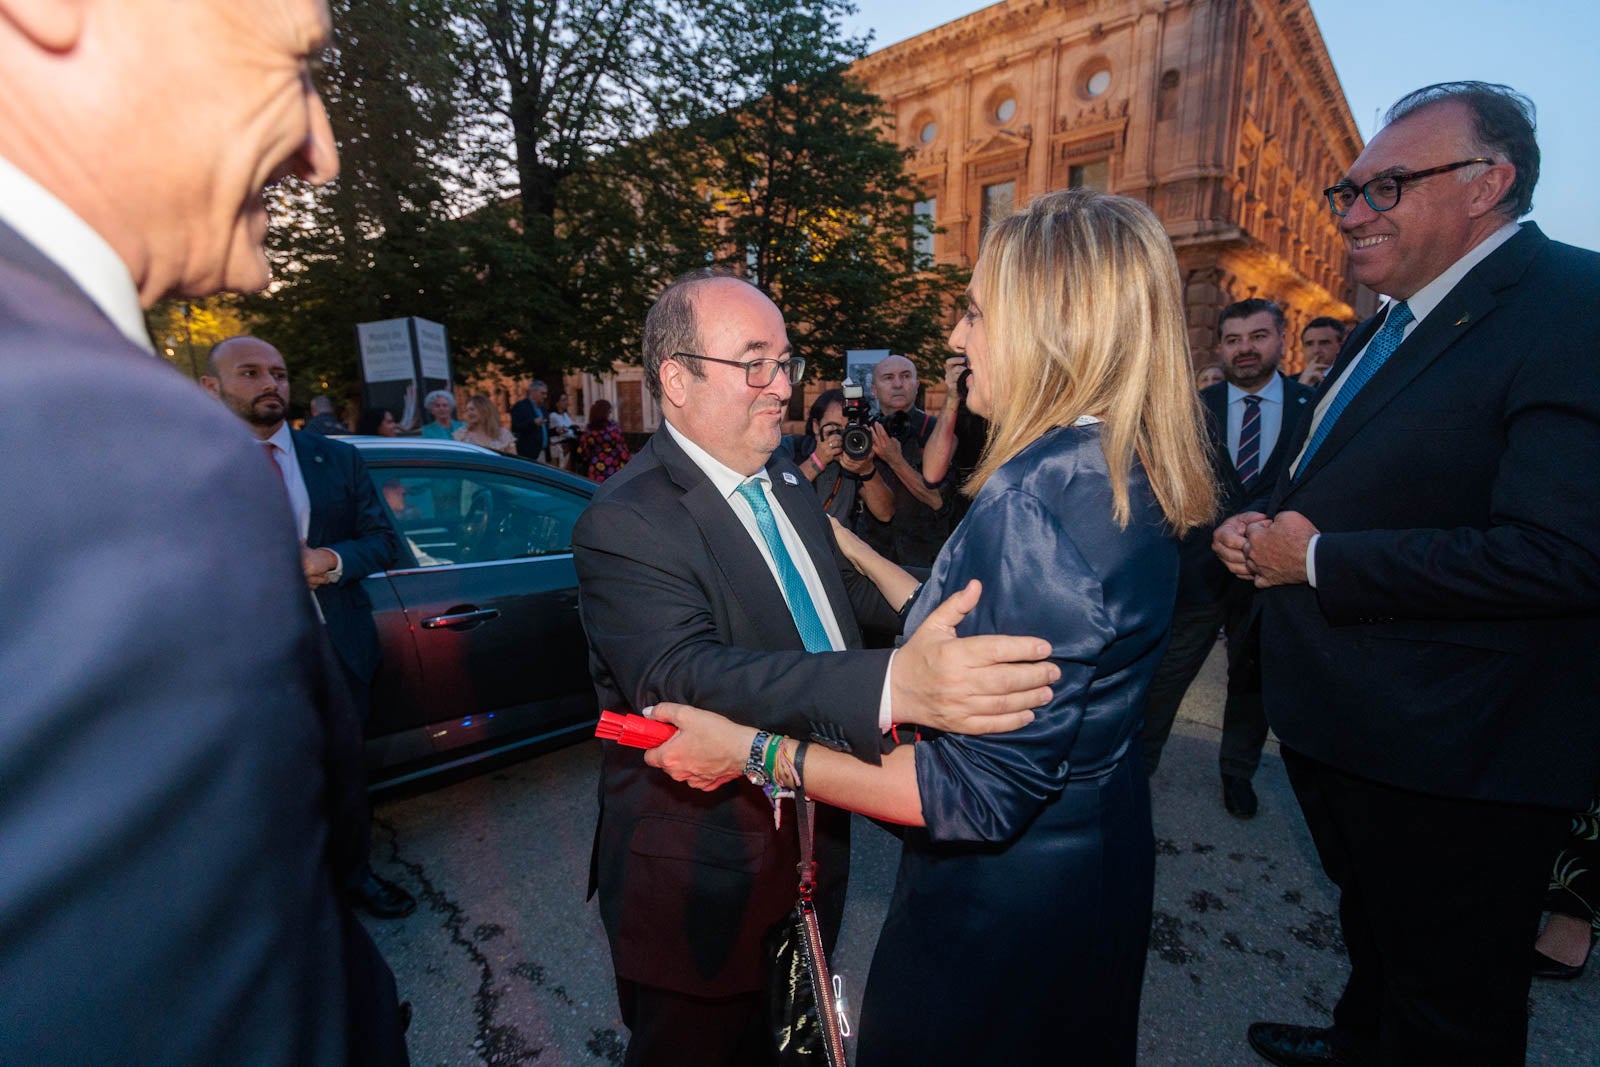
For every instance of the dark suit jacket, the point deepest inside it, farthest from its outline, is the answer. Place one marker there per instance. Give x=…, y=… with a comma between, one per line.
x=1202, y=579
x=679, y=605
x=165, y=886
x=1450, y=644
x=348, y=517
x=532, y=437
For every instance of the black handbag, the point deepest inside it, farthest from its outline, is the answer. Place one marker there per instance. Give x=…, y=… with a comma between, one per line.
x=808, y=1024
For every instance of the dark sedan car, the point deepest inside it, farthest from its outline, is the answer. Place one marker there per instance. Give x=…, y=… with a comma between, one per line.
x=483, y=653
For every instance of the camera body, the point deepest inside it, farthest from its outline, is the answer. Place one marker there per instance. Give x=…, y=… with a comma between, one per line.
x=859, y=419
x=857, y=435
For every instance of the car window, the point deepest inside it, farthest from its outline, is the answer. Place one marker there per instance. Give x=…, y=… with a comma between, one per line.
x=468, y=516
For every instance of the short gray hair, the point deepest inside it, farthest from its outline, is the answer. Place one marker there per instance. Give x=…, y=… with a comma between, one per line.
x=671, y=328
x=427, y=401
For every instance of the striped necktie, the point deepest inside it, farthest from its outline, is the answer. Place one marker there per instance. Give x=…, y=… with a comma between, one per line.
x=1378, y=351
x=806, y=619
x=1248, y=463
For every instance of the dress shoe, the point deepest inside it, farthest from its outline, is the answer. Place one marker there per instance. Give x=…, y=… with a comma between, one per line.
x=1545, y=967
x=1288, y=1045
x=381, y=898
x=1238, y=796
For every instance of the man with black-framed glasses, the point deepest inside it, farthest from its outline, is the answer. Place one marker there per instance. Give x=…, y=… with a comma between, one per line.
x=1429, y=575
x=708, y=574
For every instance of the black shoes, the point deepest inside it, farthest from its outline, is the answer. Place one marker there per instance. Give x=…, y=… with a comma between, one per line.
x=381, y=898
x=1238, y=796
x=1545, y=967
x=1288, y=1045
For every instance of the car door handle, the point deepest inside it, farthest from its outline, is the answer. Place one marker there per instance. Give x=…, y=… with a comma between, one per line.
x=460, y=620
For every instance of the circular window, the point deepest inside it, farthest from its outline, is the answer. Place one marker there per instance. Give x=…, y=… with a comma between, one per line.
x=1098, y=83
x=1006, y=109
x=930, y=130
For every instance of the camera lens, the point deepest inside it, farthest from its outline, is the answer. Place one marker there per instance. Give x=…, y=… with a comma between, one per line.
x=857, y=441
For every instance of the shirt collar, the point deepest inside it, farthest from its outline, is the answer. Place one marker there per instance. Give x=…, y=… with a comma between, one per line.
x=1431, y=295
x=74, y=246
x=282, y=439
x=725, y=478
x=1272, y=392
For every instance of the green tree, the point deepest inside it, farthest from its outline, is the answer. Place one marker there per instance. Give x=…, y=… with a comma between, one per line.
x=789, y=180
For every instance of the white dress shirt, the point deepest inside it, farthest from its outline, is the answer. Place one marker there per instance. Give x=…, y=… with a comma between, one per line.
x=71, y=244
x=282, y=445
x=1421, y=303
x=1271, y=396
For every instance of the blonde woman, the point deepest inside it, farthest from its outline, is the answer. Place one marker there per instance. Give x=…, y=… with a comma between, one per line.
x=483, y=427
x=1018, y=927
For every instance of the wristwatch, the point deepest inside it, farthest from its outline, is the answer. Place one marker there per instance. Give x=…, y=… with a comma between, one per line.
x=753, y=766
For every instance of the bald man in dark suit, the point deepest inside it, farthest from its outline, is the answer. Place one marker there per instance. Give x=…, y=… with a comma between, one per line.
x=172, y=733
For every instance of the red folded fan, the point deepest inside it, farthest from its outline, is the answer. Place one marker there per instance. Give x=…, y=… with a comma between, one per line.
x=635, y=731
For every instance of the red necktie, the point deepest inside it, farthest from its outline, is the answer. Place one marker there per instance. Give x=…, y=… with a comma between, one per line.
x=272, y=458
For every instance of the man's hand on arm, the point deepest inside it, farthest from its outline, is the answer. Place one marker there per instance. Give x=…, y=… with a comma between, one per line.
x=1275, y=549
x=1228, y=542
x=969, y=685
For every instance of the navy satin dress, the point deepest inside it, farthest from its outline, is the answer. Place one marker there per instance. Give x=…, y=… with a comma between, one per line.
x=1021, y=915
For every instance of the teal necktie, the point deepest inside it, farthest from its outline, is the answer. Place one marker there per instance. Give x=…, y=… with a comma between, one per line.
x=1379, y=349
x=806, y=619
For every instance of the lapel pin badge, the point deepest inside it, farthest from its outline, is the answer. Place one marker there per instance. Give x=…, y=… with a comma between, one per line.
x=1462, y=321
x=791, y=479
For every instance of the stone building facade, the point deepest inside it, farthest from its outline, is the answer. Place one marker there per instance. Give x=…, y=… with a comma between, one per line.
x=1225, y=116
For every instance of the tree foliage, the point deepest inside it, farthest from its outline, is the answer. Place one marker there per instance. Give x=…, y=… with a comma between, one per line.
x=531, y=173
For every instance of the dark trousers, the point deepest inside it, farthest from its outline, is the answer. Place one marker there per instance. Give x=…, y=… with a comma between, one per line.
x=670, y=1029
x=1194, y=633
x=1439, y=903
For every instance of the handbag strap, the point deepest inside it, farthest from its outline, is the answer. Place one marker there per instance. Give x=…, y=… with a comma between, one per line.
x=805, y=811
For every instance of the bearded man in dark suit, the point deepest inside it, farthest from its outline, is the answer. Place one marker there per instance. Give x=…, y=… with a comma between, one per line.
x=1429, y=569
x=708, y=574
x=344, y=534
x=171, y=736
x=1250, y=416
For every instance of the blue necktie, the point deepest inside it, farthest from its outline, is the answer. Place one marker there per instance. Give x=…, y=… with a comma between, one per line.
x=806, y=619
x=1378, y=352
x=1249, y=440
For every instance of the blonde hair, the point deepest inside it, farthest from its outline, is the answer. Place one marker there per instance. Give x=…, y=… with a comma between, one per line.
x=1083, y=313
x=491, y=414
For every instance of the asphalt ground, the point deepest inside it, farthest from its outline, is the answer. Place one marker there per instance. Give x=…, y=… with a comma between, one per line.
x=505, y=963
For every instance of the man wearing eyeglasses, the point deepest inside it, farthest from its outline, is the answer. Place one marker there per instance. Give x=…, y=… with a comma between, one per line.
x=708, y=574
x=1430, y=575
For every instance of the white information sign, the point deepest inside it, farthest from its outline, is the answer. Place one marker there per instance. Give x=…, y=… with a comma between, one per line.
x=433, y=349
x=386, y=350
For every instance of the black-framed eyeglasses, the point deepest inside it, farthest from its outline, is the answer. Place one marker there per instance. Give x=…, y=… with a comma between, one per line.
x=1383, y=193
x=758, y=373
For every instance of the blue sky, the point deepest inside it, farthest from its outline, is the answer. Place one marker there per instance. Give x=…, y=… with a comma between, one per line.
x=1384, y=48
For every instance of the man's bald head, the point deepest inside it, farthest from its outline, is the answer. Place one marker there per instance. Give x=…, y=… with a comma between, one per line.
x=250, y=377
x=159, y=124
x=894, y=383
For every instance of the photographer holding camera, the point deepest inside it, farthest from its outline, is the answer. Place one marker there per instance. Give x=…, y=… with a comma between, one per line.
x=840, y=479
x=921, y=520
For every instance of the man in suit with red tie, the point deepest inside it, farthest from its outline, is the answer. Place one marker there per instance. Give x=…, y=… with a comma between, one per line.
x=344, y=533
x=1429, y=574
x=1250, y=416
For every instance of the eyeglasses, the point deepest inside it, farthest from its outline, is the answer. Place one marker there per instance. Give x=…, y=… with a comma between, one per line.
x=1383, y=193
x=758, y=373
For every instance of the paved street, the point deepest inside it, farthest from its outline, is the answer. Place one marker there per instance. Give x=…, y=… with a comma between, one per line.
x=505, y=963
